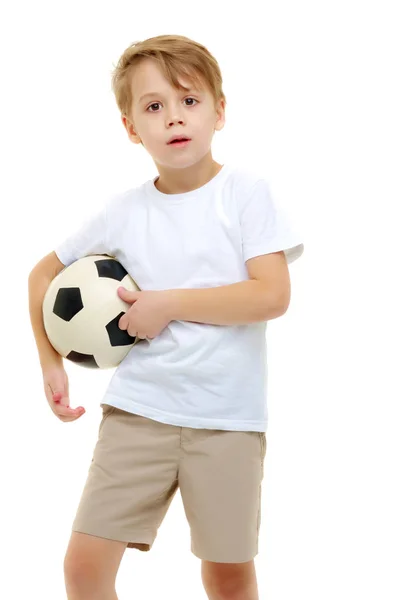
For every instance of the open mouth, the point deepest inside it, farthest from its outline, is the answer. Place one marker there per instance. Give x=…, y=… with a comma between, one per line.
x=179, y=142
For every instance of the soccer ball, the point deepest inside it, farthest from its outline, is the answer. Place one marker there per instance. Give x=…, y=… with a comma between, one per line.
x=81, y=311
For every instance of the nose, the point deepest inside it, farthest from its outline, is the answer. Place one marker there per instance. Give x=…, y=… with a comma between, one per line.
x=180, y=121
x=174, y=115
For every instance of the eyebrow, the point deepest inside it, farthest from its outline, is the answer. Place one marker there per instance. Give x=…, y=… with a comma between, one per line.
x=151, y=94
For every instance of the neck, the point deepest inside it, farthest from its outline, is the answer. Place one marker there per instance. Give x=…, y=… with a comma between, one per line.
x=179, y=181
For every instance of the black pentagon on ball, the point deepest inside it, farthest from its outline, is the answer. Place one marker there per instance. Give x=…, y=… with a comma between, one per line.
x=110, y=268
x=117, y=336
x=85, y=360
x=68, y=303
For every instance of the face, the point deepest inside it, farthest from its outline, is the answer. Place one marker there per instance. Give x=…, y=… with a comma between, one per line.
x=167, y=112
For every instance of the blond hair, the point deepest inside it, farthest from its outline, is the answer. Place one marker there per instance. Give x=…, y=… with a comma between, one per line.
x=176, y=55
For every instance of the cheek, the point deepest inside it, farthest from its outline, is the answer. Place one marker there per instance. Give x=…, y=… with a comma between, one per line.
x=206, y=124
x=154, y=132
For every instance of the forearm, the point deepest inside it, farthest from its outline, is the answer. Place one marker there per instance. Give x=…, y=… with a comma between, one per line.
x=38, y=283
x=235, y=304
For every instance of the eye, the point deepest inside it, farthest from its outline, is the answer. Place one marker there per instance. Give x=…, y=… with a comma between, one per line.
x=156, y=103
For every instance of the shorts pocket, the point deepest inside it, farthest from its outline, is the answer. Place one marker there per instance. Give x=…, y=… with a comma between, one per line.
x=107, y=411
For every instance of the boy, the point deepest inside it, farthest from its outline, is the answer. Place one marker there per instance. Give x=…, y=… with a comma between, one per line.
x=186, y=408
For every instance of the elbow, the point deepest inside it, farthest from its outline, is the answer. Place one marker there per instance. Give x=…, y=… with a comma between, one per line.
x=34, y=273
x=283, y=300
x=275, y=306
x=276, y=311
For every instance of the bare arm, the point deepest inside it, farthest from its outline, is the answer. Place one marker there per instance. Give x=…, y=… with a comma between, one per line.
x=39, y=280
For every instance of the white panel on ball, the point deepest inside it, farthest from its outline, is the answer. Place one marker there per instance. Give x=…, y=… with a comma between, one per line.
x=81, y=310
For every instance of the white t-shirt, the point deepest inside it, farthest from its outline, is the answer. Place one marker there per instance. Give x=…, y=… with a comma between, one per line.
x=193, y=374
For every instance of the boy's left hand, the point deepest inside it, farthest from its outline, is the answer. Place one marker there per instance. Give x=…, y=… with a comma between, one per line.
x=149, y=314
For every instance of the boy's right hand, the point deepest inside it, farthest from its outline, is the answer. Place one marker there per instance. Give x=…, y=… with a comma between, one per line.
x=56, y=388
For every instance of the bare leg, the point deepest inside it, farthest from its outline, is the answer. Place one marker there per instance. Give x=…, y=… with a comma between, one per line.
x=90, y=567
x=230, y=581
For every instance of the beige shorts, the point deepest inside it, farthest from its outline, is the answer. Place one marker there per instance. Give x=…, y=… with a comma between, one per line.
x=138, y=465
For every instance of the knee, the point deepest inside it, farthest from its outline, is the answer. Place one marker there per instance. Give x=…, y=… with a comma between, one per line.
x=222, y=589
x=230, y=581
x=79, y=571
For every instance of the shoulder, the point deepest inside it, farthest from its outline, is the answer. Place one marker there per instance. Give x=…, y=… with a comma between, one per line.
x=246, y=182
x=247, y=177
x=119, y=202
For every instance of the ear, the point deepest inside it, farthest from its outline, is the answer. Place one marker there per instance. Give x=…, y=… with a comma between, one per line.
x=220, y=122
x=130, y=128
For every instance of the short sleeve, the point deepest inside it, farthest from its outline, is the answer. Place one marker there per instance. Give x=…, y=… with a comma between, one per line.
x=265, y=226
x=89, y=238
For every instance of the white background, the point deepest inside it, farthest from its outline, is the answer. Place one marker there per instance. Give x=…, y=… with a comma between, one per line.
x=313, y=105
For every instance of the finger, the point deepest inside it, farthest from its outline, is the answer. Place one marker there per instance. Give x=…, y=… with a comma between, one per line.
x=60, y=396
x=61, y=399
x=68, y=419
x=63, y=408
x=67, y=411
